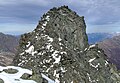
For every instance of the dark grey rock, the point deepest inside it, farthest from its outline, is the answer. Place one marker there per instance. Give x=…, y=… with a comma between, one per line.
x=59, y=49
x=10, y=71
x=1, y=81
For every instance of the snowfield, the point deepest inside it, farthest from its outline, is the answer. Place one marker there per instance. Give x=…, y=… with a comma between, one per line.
x=14, y=78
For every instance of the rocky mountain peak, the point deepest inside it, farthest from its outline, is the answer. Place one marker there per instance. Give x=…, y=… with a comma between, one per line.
x=65, y=24
x=58, y=48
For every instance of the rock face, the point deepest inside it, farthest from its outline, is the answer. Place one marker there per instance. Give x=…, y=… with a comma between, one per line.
x=58, y=48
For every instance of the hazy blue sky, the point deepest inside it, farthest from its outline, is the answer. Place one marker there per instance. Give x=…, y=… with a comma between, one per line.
x=19, y=16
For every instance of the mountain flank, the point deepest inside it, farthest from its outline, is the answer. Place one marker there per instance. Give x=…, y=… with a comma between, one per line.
x=58, y=48
x=111, y=48
x=8, y=48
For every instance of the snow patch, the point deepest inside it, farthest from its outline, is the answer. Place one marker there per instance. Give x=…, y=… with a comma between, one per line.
x=30, y=49
x=45, y=23
x=91, y=60
x=59, y=39
x=47, y=78
x=63, y=70
x=91, y=46
x=92, y=81
x=22, y=53
x=28, y=44
x=106, y=63
x=60, y=43
x=55, y=53
x=49, y=68
x=57, y=60
x=50, y=39
x=41, y=53
x=21, y=63
x=47, y=18
x=36, y=37
x=99, y=51
x=63, y=52
x=57, y=81
x=95, y=66
x=56, y=57
x=89, y=77
x=85, y=49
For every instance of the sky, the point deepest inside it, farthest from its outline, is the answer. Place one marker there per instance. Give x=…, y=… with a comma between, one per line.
x=20, y=16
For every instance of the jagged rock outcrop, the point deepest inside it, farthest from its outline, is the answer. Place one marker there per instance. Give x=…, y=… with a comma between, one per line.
x=58, y=48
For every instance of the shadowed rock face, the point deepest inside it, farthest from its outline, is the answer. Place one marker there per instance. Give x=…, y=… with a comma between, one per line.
x=58, y=48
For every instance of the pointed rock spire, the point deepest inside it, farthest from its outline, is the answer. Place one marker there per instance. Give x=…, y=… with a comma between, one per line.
x=58, y=48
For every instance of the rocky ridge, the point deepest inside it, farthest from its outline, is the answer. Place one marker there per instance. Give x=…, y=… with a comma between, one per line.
x=59, y=49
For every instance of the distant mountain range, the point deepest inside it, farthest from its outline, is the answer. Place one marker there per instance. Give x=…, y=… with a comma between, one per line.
x=8, y=48
x=110, y=43
x=106, y=41
x=111, y=48
x=97, y=37
x=8, y=43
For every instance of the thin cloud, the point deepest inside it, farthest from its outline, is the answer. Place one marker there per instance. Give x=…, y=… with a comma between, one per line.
x=96, y=13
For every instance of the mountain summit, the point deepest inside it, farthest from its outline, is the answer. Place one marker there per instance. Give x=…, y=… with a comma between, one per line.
x=58, y=50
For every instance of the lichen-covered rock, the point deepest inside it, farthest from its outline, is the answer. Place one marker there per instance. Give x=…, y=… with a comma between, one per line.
x=36, y=77
x=10, y=71
x=59, y=49
x=1, y=81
